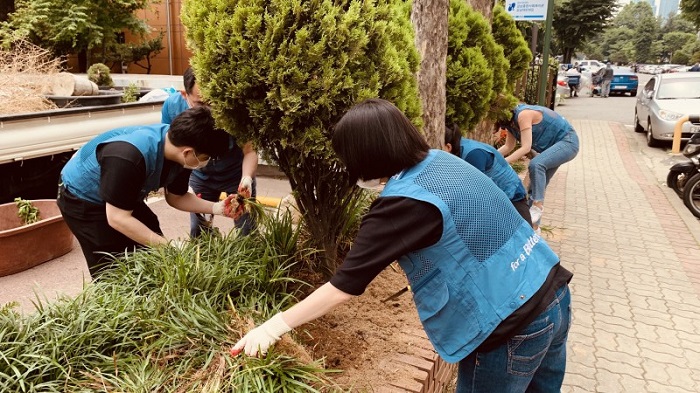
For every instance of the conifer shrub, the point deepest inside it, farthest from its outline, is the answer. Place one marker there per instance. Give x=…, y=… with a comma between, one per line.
x=518, y=55
x=476, y=67
x=281, y=73
x=100, y=75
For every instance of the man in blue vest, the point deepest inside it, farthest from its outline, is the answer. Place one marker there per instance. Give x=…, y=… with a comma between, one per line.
x=232, y=173
x=103, y=186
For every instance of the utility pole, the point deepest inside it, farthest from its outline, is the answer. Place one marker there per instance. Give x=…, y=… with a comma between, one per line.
x=544, y=70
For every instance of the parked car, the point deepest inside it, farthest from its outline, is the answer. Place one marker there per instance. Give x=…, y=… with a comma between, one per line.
x=590, y=65
x=624, y=81
x=663, y=100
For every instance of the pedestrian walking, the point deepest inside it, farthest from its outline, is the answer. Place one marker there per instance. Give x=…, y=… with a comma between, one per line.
x=548, y=134
x=606, y=75
x=232, y=173
x=490, y=293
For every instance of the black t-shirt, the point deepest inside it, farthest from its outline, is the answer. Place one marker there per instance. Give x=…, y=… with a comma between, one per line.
x=395, y=226
x=123, y=175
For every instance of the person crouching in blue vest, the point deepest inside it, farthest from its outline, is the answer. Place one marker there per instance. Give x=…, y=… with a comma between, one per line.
x=490, y=293
x=232, y=173
x=550, y=135
x=104, y=185
x=488, y=160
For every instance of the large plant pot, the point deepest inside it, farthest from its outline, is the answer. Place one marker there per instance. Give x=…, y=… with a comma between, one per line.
x=25, y=246
x=106, y=97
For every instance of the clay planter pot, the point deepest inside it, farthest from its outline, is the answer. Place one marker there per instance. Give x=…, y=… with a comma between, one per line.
x=25, y=246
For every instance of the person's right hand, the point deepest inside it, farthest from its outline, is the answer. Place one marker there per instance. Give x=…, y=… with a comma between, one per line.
x=262, y=337
x=229, y=207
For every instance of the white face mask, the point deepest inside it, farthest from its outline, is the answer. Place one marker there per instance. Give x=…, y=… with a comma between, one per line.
x=372, y=184
x=200, y=164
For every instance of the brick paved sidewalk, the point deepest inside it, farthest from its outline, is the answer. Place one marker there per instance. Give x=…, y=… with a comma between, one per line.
x=635, y=255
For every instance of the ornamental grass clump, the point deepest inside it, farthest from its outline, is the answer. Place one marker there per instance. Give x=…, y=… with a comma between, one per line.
x=163, y=320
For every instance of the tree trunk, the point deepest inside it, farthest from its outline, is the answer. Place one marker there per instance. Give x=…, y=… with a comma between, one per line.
x=429, y=18
x=82, y=61
x=66, y=84
x=485, y=7
x=483, y=130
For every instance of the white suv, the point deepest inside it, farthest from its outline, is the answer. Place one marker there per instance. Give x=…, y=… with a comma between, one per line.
x=590, y=65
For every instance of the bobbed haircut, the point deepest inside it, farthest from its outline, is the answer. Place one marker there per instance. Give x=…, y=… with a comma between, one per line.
x=195, y=128
x=453, y=136
x=189, y=80
x=374, y=139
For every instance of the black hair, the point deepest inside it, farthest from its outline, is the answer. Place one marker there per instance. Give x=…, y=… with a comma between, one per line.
x=505, y=123
x=195, y=128
x=453, y=136
x=374, y=139
x=189, y=80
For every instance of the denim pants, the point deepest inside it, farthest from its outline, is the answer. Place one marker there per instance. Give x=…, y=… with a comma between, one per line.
x=545, y=164
x=605, y=88
x=533, y=361
x=202, y=222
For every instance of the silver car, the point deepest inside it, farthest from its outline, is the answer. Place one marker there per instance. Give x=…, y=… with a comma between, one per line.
x=665, y=99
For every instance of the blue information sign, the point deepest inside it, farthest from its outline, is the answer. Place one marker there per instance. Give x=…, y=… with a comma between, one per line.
x=527, y=9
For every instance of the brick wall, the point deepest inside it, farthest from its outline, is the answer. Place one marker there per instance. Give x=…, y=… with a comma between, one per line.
x=428, y=372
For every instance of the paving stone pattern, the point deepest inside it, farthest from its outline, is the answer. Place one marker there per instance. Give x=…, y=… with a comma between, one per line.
x=636, y=268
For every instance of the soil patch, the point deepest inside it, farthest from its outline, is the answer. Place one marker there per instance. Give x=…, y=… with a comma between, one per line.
x=363, y=337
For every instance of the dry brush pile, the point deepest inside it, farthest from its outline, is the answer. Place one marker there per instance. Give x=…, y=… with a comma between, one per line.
x=25, y=74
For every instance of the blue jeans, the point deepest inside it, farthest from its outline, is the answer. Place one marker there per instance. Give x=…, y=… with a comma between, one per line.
x=202, y=222
x=545, y=164
x=532, y=361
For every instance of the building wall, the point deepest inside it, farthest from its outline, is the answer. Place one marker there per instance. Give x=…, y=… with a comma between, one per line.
x=174, y=58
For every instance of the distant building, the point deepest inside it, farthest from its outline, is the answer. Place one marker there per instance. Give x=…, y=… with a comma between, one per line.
x=667, y=7
x=662, y=8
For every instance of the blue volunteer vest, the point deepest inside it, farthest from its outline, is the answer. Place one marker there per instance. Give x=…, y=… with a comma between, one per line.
x=500, y=172
x=81, y=175
x=173, y=106
x=549, y=131
x=487, y=263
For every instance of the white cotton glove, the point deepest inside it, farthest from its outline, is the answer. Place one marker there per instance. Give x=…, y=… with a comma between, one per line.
x=245, y=187
x=231, y=207
x=260, y=338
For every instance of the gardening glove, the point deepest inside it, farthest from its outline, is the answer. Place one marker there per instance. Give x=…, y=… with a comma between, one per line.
x=260, y=338
x=245, y=188
x=231, y=207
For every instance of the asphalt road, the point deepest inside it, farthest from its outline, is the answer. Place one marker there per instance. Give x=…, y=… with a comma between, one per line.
x=620, y=109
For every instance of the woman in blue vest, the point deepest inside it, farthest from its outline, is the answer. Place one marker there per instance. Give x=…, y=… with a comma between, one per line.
x=103, y=186
x=490, y=293
x=488, y=160
x=547, y=133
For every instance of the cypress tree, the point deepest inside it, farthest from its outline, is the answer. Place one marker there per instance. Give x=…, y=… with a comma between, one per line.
x=280, y=73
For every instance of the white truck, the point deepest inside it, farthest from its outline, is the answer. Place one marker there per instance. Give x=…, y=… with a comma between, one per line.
x=34, y=147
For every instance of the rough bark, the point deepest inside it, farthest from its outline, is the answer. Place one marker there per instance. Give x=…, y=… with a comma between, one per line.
x=429, y=18
x=485, y=7
x=483, y=131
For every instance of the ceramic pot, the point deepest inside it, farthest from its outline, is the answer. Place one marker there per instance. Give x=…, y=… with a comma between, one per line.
x=25, y=246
